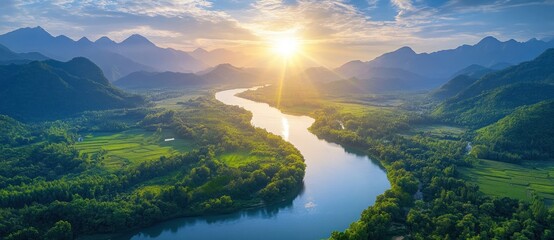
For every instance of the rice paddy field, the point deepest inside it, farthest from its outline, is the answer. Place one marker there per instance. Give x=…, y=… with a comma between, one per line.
x=131, y=147
x=512, y=180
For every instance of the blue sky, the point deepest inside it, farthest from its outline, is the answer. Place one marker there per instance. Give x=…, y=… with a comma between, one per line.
x=338, y=30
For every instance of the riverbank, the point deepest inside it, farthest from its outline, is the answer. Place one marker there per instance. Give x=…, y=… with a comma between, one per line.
x=327, y=202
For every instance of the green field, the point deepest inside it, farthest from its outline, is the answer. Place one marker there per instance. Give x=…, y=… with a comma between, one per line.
x=238, y=159
x=438, y=131
x=511, y=180
x=131, y=147
x=173, y=103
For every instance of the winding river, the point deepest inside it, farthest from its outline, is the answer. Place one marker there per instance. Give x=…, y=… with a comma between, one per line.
x=338, y=186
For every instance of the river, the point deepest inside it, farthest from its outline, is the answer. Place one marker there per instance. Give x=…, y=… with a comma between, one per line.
x=338, y=186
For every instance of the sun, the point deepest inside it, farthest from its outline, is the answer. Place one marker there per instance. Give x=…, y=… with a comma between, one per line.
x=286, y=47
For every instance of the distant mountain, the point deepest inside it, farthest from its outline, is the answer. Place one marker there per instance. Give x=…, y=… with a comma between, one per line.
x=435, y=68
x=153, y=80
x=496, y=94
x=136, y=53
x=143, y=51
x=223, y=74
x=381, y=79
x=319, y=75
x=227, y=73
x=52, y=89
x=220, y=56
x=7, y=56
x=464, y=78
x=461, y=80
x=527, y=133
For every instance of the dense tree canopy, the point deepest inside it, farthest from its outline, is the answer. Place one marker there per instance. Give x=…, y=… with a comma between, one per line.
x=49, y=190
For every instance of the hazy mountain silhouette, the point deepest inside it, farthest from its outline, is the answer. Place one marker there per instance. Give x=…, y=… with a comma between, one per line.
x=53, y=89
x=153, y=80
x=7, y=56
x=227, y=73
x=223, y=74
x=143, y=51
x=220, y=56
x=437, y=67
x=136, y=53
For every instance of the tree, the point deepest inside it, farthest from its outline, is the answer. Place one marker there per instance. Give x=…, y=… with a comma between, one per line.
x=60, y=231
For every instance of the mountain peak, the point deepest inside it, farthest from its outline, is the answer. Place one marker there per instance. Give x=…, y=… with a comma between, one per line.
x=32, y=32
x=137, y=39
x=200, y=51
x=225, y=66
x=84, y=40
x=104, y=40
x=488, y=40
x=405, y=49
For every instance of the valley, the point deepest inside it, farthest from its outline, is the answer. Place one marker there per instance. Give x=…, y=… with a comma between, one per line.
x=246, y=120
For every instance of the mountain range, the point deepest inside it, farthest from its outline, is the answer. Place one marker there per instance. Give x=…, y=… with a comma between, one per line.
x=511, y=109
x=51, y=90
x=135, y=53
x=221, y=56
x=411, y=70
x=223, y=74
x=497, y=94
x=7, y=56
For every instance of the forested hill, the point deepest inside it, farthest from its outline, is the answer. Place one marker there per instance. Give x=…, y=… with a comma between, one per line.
x=52, y=89
x=527, y=133
x=497, y=94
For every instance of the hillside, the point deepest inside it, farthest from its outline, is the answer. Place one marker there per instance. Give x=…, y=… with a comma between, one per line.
x=497, y=94
x=52, y=89
x=142, y=79
x=463, y=79
x=453, y=87
x=526, y=134
x=13, y=132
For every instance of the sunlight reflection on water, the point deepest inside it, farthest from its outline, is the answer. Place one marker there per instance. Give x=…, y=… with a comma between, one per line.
x=286, y=128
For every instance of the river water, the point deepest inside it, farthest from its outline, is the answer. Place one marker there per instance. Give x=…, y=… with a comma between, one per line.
x=338, y=186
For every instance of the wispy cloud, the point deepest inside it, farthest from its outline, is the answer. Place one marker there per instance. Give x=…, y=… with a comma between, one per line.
x=330, y=24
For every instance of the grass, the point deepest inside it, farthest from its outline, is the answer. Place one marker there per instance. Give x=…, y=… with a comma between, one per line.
x=438, y=131
x=173, y=103
x=131, y=147
x=238, y=159
x=512, y=180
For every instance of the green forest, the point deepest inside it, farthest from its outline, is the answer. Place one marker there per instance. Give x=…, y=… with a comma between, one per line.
x=59, y=182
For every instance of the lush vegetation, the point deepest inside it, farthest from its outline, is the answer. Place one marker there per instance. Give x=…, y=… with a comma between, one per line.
x=54, y=187
x=497, y=94
x=131, y=147
x=433, y=195
x=526, y=134
x=429, y=199
x=51, y=89
x=520, y=181
x=511, y=108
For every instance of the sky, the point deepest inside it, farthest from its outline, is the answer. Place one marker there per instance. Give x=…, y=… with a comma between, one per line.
x=331, y=31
